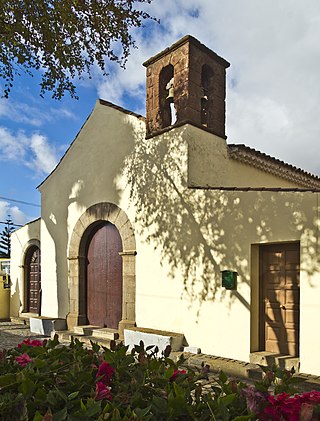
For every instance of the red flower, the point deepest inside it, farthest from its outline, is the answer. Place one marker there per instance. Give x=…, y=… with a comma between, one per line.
x=282, y=407
x=311, y=397
x=102, y=392
x=106, y=372
x=23, y=360
x=34, y=342
x=177, y=373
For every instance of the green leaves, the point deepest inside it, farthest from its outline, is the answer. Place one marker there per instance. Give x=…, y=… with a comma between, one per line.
x=7, y=379
x=65, y=39
x=61, y=383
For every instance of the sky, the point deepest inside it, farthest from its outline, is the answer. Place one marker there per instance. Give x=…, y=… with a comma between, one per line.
x=273, y=90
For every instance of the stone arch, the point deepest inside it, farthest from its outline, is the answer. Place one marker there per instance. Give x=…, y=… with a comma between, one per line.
x=32, y=243
x=107, y=212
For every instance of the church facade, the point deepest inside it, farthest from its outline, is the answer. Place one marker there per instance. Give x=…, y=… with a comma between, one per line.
x=159, y=223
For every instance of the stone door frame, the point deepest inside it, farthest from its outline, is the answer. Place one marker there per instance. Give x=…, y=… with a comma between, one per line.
x=101, y=212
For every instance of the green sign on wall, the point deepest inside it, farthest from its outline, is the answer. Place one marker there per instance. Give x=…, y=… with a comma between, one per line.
x=229, y=279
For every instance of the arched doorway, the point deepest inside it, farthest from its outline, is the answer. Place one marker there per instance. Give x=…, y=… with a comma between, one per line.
x=104, y=276
x=88, y=223
x=32, y=270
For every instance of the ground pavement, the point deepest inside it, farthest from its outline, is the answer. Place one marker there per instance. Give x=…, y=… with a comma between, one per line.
x=11, y=334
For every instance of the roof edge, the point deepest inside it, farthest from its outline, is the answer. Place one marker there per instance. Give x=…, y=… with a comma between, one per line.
x=28, y=223
x=185, y=40
x=123, y=110
x=274, y=166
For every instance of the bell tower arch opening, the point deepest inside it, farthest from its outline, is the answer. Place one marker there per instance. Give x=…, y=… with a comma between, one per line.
x=186, y=84
x=166, y=96
x=207, y=95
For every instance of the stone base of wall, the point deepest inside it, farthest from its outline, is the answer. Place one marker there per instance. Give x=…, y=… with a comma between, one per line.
x=159, y=338
x=44, y=325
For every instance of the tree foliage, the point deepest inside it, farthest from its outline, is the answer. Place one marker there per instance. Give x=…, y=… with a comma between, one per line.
x=64, y=38
x=5, y=241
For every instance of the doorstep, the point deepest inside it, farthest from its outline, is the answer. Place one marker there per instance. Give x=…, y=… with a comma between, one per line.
x=265, y=358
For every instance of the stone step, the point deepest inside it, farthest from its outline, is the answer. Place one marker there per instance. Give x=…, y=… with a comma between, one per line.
x=20, y=320
x=105, y=333
x=65, y=336
x=85, y=330
x=45, y=325
x=269, y=358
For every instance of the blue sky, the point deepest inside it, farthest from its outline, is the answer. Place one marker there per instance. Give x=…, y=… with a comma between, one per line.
x=273, y=92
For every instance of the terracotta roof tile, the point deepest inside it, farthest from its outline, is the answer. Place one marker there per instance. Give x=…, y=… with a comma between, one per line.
x=273, y=166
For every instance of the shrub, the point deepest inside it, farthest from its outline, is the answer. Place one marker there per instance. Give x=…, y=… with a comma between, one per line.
x=48, y=381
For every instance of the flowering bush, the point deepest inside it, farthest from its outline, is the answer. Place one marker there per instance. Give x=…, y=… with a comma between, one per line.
x=48, y=381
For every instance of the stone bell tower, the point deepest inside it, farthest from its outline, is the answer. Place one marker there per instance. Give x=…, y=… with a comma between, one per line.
x=186, y=83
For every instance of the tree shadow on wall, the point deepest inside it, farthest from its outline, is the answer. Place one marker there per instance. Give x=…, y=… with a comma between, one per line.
x=201, y=231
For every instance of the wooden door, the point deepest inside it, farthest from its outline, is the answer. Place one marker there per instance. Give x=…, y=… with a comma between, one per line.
x=280, y=298
x=104, y=277
x=33, y=279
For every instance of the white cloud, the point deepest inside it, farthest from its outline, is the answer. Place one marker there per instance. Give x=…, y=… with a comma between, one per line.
x=273, y=83
x=34, y=152
x=44, y=156
x=4, y=210
x=17, y=215
x=33, y=115
x=12, y=147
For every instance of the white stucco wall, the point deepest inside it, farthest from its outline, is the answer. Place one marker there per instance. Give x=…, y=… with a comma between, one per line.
x=226, y=224
x=209, y=165
x=184, y=237
x=21, y=240
x=87, y=175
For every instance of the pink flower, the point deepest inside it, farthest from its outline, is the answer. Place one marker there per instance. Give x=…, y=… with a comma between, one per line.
x=106, y=372
x=23, y=360
x=177, y=373
x=102, y=392
x=29, y=342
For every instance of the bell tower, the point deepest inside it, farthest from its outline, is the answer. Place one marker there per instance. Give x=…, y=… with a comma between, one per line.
x=186, y=83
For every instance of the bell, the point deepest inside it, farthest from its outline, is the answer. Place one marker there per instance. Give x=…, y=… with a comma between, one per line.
x=204, y=96
x=170, y=96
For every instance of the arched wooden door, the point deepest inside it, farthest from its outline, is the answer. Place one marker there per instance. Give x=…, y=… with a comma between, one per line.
x=104, y=277
x=33, y=279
